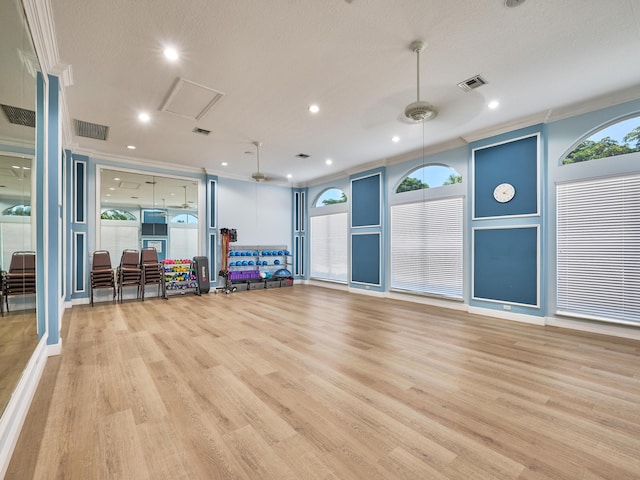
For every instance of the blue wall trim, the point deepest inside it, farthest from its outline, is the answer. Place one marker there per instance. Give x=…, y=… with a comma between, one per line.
x=366, y=250
x=514, y=162
x=80, y=255
x=41, y=123
x=54, y=216
x=505, y=267
x=366, y=195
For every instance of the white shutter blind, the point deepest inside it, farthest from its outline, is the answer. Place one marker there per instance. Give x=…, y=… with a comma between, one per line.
x=329, y=247
x=116, y=236
x=598, y=249
x=427, y=247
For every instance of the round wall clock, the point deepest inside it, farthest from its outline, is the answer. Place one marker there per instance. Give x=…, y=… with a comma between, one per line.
x=504, y=192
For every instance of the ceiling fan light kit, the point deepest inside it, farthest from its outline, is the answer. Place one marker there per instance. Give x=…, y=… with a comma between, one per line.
x=420, y=110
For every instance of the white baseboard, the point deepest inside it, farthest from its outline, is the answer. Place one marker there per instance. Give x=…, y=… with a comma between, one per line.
x=364, y=291
x=516, y=317
x=19, y=403
x=55, y=349
x=594, y=327
x=426, y=300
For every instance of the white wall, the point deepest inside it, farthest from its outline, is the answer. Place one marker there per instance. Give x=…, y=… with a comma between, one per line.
x=260, y=212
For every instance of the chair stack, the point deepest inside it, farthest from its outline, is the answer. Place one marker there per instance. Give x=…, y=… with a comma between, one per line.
x=21, y=277
x=102, y=275
x=129, y=273
x=152, y=270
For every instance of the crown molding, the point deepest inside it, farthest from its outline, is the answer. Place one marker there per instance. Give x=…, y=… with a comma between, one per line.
x=40, y=19
x=135, y=161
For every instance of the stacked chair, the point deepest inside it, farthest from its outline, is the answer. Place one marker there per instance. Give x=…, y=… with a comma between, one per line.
x=102, y=275
x=21, y=277
x=129, y=273
x=152, y=270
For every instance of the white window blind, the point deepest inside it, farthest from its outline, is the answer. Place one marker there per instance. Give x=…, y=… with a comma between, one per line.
x=116, y=236
x=329, y=247
x=427, y=247
x=598, y=249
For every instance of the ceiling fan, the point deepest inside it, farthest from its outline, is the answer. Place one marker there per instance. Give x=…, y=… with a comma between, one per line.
x=185, y=205
x=420, y=110
x=258, y=176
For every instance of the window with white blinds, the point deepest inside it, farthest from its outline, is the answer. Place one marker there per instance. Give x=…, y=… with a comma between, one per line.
x=329, y=247
x=427, y=247
x=598, y=249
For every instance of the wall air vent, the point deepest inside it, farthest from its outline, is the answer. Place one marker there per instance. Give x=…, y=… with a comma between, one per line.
x=472, y=83
x=302, y=155
x=20, y=116
x=201, y=131
x=91, y=130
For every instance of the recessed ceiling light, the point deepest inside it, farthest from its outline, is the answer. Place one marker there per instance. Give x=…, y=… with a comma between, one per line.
x=171, y=54
x=224, y=164
x=112, y=188
x=173, y=194
x=117, y=179
x=328, y=161
x=108, y=194
x=314, y=108
x=26, y=168
x=131, y=147
x=395, y=139
x=15, y=166
x=144, y=117
x=493, y=104
x=289, y=175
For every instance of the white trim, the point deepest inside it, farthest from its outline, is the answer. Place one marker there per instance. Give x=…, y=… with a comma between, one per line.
x=55, y=349
x=473, y=178
x=16, y=411
x=504, y=302
x=350, y=201
x=366, y=291
x=616, y=330
x=516, y=317
x=350, y=256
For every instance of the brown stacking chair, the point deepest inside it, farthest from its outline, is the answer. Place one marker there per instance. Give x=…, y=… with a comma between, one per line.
x=102, y=275
x=129, y=272
x=152, y=270
x=21, y=277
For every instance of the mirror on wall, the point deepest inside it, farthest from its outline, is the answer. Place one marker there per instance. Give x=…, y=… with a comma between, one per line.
x=18, y=67
x=144, y=210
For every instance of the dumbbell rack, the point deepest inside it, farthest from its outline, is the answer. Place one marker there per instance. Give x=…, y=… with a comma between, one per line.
x=254, y=260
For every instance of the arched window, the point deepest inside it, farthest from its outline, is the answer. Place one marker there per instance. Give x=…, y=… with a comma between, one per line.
x=614, y=139
x=430, y=176
x=331, y=196
x=116, y=214
x=18, y=211
x=185, y=218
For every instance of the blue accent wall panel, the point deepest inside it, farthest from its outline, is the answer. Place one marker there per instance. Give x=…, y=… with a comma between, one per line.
x=514, y=162
x=80, y=180
x=212, y=203
x=365, y=201
x=213, y=248
x=79, y=262
x=505, y=265
x=365, y=258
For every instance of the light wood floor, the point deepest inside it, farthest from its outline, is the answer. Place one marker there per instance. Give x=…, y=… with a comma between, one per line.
x=18, y=339
x=313, y=383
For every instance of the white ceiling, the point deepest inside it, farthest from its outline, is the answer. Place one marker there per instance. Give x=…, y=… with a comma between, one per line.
x=272, y=59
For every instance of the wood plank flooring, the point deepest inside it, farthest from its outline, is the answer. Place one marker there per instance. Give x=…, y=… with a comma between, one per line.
x=314, y=383
x=18, y=340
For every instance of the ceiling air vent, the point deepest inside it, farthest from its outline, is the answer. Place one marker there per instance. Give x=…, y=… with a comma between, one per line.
x=20, y=116
x=472, y=83
x=302, y=155
x=201, y=131
x=91, y=130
